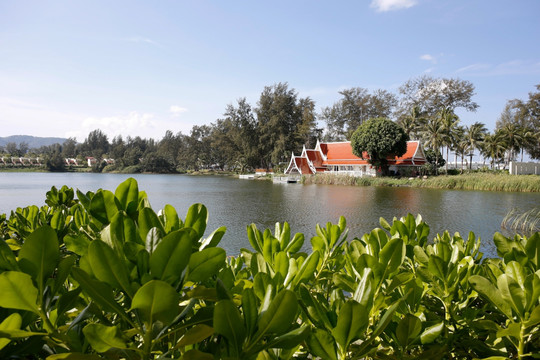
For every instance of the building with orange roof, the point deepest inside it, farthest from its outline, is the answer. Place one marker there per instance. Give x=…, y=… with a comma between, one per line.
x=337, y=157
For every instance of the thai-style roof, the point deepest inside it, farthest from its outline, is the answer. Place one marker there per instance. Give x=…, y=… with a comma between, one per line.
x=340, y=153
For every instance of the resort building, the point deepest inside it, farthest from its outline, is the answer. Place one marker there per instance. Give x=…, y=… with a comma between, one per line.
x=337, y=157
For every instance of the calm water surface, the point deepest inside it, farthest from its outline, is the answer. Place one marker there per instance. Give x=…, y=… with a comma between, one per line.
x=236, y=203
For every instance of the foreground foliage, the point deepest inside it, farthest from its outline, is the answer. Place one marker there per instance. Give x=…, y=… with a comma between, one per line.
x=102, y=275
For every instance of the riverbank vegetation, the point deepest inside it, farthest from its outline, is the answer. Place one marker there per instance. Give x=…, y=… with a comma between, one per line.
x=101, y=275
x=263, y=135
x=468, y=181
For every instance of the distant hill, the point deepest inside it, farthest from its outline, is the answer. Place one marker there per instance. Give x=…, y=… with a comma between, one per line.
x=32, y=141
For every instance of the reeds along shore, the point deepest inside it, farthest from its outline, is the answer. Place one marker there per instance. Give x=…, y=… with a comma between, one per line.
x=473, y=181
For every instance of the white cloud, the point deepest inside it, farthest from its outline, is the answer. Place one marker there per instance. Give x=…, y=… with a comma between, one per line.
x=132, y=124
x=428, y=57
x=142, y=39
x=176, y=110
x=390, y=5
x=514, y=67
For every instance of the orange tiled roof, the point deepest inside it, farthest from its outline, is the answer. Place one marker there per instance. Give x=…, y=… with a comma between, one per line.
x=315, y=157
x=341, y=153
x=302, y=164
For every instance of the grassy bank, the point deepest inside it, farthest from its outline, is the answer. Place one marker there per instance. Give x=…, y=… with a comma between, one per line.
x=472, y=181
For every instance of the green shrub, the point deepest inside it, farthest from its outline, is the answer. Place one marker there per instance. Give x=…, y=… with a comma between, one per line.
x=102, y=275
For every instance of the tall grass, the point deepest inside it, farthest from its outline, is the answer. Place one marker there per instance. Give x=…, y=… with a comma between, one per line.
x=472, y=181
x=526, y=223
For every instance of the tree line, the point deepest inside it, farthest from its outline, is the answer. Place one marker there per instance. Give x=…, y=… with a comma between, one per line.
x=264, y=135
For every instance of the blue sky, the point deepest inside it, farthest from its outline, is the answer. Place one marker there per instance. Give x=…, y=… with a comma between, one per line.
x=140, y=68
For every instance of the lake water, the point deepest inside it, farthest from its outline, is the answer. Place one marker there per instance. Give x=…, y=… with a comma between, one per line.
x=236, y=203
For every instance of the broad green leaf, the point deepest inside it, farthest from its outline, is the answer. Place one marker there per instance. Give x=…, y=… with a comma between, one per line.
x=352, y=322
x=485, y=288
x=108, y=267
x=291, y=339
x=254, y=237
x=322, y=344
x=512, y=293
x=214, y=238
x=438, y=267
x=532, y=249
x=284, y=235
x=392, y=254
x=281, y=263
x=103, y=206
x=122, y=230
x=420, y=255
x=39, y=254
x=534, y=317
x=431, y=333
x=197, y=218
x=409, y=327
x=196, y=334
x=148, y=220
x=100, y=292
x=77, y=244
x=295, y=244
x=7, y=258
x=103, y=338
x=128, y=193
x=12, y=322
x=315, y=309
x=18, y=291
x=63, y=271
x=171, y=256
x=307, y=270
x=171, y=220
x=195, y=354
x=249, y=309
x=229, y=323
x=206, y=263
x=384, y=224
x=280, y=314
x=364, y=291
x=157, y=300
x=74, y=356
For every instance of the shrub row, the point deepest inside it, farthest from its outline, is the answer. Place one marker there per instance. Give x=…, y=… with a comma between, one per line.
x=103, y=276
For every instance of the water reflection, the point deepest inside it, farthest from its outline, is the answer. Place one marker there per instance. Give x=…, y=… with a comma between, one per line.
x=237, y=203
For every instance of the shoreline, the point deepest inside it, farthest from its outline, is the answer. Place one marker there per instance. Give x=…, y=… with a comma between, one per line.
x=481, y=181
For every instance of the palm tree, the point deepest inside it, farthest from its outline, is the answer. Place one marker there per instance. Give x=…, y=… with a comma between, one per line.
x=459, y=145
x=493, y=147
x=528, y=138
x=412, y=122
x=434, y=136
x=449, y=121
x=474, y=135
x=511, y=132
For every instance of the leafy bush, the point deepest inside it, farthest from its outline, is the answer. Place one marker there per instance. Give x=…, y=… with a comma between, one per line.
x=103, y=276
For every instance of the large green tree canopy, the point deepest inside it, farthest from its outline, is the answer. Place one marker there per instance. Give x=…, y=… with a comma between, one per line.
x=379, y=138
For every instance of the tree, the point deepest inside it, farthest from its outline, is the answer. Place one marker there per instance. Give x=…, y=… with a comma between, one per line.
x=354, y=108
x=96, y=144
x=449, y=121
x=69, y=148
x=379, y=138
x=435, y=160
x=435, y=136
x=532, y=111
x=432, y=94
x=11, y=149
x=474, y=135
x=493, y=147
x=279, y=120
x=412, y=122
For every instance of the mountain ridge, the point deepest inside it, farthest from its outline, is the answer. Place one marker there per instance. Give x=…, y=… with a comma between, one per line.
x=32, y=141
